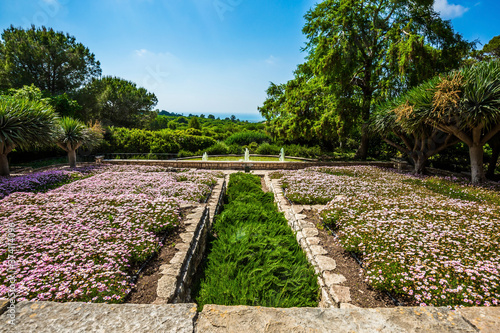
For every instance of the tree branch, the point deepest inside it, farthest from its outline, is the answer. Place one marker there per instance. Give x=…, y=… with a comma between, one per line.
x=491, y=134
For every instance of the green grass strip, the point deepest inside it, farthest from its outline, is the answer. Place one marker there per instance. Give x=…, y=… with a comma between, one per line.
x=255, y=258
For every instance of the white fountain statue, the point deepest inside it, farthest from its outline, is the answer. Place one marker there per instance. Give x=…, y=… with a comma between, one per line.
x=205, y=157
x=282, y=155
x=247, y=155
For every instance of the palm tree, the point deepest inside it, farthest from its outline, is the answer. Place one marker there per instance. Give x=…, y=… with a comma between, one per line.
x=72, y=134
x=23, y=124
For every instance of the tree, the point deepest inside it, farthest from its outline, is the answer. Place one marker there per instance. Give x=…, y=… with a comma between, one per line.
x=72, y=134
x=24, y=124
x=370, y=50
x=53, y=61
x=412, y=136
x=495, y=154
x=466, y=104
x=194, y=123
x=117, y=102
x=211, y=116
x=492, y=49
x=304, y=110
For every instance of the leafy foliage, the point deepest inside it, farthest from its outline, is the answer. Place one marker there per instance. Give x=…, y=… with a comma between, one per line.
x=255, y=259
x=53, y=61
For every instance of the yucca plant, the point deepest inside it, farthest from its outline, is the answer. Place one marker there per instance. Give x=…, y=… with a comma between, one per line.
x=23, y=124
x=73, y=133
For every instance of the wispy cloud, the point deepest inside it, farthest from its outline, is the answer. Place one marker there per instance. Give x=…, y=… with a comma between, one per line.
x=271, y=60
x=448, y=10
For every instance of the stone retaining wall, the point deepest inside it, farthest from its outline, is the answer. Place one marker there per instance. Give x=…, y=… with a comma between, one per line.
x=174, y=285
x=253, y=165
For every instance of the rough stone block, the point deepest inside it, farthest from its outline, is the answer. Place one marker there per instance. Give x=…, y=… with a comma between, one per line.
x=348, y=306
x=171, y=269
x=300, y=216
x=297, y=209
x=340, y=294
x=191, y=227
x=325, y=263
x=331, y=278
x=318, y=250
x=216, y=318
x=182, y=246
x=187, y=237
x=178, y=258
x=310, y=232
x=299, y=236
x=485, y=319
x=167, y=285
x=313, y=241
x=4, y=303
x=45, y=317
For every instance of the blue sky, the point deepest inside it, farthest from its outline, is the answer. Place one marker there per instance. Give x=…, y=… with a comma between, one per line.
x=205, y=56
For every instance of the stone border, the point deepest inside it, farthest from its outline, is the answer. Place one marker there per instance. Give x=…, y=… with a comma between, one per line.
x=254, y=165
x=216, y=318
x=77, y=317
x=174, y=285
x=3, y=305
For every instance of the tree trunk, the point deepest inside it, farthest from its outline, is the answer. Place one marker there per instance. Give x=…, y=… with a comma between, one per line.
x=494, y=159
x=72, y=158
x=4, y=165
x=420, y=163
x=476, y=163
x=362, y=152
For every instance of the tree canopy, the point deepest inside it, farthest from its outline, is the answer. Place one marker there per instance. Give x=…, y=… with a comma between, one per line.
x=53, y=61
x=366, y=51
x=118, y=102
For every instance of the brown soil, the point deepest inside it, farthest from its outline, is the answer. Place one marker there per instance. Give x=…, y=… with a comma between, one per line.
x=362, y=294
x=264, y=186
x=144, y=291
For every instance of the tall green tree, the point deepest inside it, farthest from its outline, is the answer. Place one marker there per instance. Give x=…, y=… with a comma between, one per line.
x=194, y=123
x=371, y=50
x=53, y=61
x=24, y=124
x=118, y=102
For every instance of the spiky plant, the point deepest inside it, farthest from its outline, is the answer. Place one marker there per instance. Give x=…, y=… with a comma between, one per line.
x=23, y=124
x=467, y=104
x=73, y=133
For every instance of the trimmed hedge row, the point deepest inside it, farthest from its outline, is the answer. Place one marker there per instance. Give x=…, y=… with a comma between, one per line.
x=125, y=140
x=255, y=258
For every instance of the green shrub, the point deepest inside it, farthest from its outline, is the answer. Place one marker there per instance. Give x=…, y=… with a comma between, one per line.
x=247, y=137
x=302, y=151
x=184, y=153
x=236, y=149
x=268, y=149
x=220, y=148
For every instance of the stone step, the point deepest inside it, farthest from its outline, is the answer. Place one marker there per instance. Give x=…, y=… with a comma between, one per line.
x=216, y=318
x=45, y=317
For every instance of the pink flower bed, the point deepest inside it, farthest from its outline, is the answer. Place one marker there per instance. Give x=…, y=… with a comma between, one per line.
x=78, y=242
x=425, y=246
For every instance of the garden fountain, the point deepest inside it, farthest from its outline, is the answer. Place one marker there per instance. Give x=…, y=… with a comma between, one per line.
x=282, y=155
x=247, y=155
x=205, y=157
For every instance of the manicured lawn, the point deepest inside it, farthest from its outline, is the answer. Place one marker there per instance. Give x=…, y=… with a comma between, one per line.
x=78, y=242
x=252, y=158
x=435, y=241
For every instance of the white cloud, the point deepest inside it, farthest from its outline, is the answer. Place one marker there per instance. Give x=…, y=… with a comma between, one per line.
x=449, y=11
x=141, y=52
x=271, y=60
